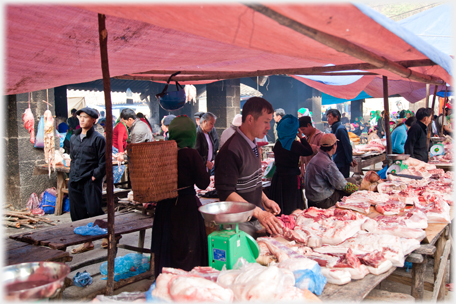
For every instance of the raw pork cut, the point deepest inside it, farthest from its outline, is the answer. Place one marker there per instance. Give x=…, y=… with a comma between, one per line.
x=337, y=277
x=49, y=144
x=359, y=206
x=366, y=196
x=373, y=226
x=391, y=187
x=414, y=218
x=29, y=123
x=390, y=207
x=183, y=288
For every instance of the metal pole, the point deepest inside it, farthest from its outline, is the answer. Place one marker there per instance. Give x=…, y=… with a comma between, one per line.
x=432, y=121
x=103, y=35
x=443, y=110
x=386, y=119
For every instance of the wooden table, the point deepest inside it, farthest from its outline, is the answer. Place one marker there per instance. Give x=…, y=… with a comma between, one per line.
x=62, y=236
x=432, y=245
x=354, y=291
x=61, y=184
x=20, y=252
x=365, y=161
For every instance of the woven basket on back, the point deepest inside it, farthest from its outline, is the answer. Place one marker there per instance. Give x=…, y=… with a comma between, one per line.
x=153, y=170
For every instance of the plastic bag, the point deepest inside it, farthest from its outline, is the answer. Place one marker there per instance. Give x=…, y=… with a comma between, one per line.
x=48, y=202
x=66, y=204
x=90, y=230
x=307, y=274
x=82, y=279
x=254, y=282
x=127, y=266
x=39, y=139
x=33, y=202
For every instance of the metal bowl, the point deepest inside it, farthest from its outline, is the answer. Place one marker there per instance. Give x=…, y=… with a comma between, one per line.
x=398, y=156
x=227, y=212
x=33, y=281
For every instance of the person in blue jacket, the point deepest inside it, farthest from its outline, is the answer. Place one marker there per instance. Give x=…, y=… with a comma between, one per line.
x=344, y=153
x=399, y=135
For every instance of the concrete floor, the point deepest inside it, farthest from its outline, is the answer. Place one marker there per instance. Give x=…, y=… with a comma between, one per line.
x=78, y=294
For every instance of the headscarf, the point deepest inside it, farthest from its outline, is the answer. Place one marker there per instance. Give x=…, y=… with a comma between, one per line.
x=287, y=128
x=378, y=114
x=372, y=114
x=304, y=112
x=182, y=129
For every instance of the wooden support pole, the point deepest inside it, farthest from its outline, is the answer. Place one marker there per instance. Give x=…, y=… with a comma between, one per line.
x=291, y=71
x=443, y=110
x=344, y=46
x=386, y=119
x=432, y=121
x=103, y=35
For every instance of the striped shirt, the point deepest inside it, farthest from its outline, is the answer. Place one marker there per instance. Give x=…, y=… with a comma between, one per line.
x=238, y=169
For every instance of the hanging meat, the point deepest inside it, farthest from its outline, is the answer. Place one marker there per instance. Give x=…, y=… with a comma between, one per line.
x=29, y=123
x=190, y=93
x=49, y=145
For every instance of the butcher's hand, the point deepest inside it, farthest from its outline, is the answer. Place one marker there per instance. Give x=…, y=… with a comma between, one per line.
x=354, y=163
x=271, y=206
x=209, y=165
x=93, y=178
x=272, y=224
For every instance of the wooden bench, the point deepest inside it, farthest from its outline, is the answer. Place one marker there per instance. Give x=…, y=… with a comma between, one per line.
x=20, y=252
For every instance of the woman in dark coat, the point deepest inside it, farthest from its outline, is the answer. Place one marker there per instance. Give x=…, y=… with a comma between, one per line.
x=179, y=237
x=286, y=182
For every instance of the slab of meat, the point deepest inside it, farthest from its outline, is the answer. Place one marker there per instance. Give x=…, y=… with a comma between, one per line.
x=376, y=262
x=183, y=288
x=391, y=187
x=337, y=277
x=390, y=207
x=408, y=198
x=373, y=226
x=49, y=144
x=415, y=218
x=29, y=123
x=359, y=206
x=366, y=196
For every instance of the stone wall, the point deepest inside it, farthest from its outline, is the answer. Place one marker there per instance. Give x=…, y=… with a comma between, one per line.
x=21, y=156
x=224, y=100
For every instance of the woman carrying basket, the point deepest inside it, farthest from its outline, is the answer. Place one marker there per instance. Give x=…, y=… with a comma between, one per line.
x=179, y=237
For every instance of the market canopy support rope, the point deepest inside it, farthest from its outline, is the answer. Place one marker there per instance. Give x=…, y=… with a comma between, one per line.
x=344, y=46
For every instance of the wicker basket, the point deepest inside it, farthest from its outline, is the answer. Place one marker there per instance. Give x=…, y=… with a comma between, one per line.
x=153, y=170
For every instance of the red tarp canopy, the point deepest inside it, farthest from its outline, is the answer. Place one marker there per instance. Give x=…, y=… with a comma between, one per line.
x=53, y=45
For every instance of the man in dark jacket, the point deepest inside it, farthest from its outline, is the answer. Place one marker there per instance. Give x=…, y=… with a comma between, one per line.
x=87, y=169
x=205, y=140
x=344, y=153
x=416, y=143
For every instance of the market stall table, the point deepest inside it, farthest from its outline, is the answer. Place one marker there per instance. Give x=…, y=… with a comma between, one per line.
x=61, y=184
x=19, y=252
x=62, y=236
x=366, y=160
x=432, y=245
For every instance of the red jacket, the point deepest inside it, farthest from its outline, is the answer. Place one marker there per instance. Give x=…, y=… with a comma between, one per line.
x=119, y=137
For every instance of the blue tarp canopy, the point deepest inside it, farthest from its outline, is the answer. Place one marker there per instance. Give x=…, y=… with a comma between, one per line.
x=328, y=99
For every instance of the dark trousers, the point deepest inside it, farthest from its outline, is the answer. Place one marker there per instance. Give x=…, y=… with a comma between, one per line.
x=85, y=199
x=345, y=170
x=328, y=202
